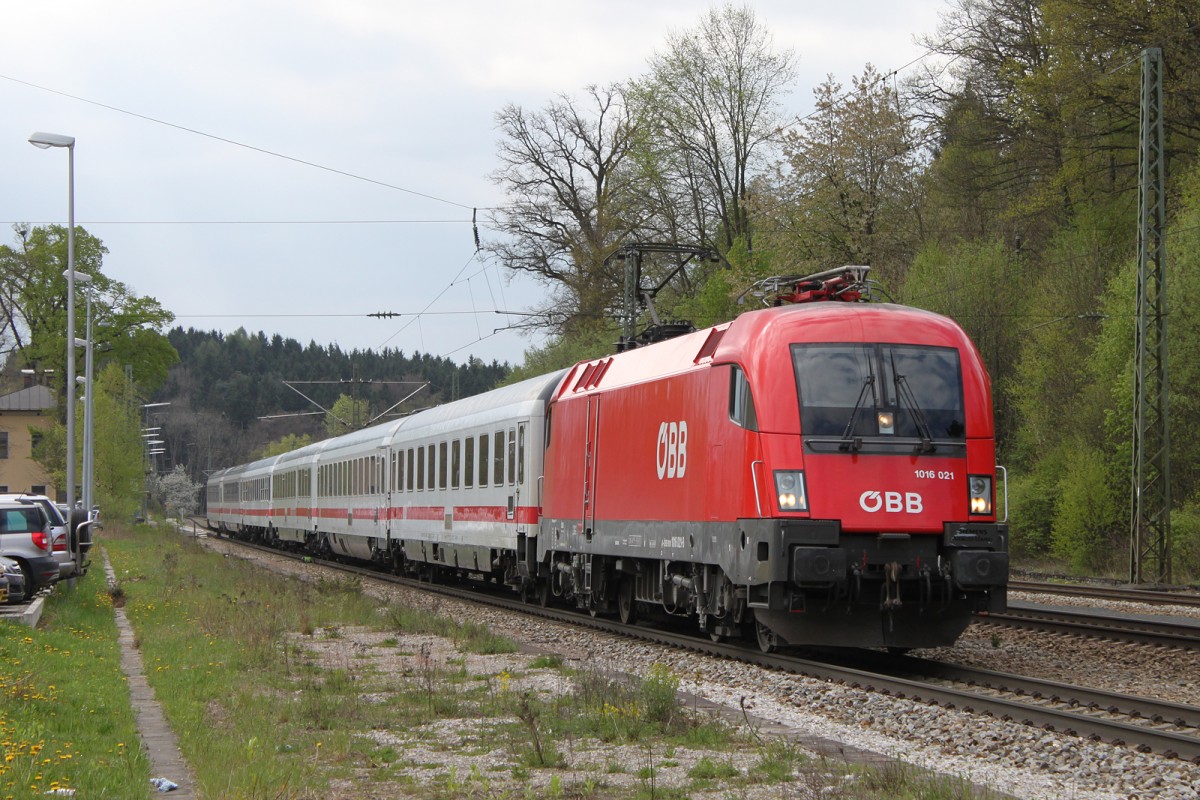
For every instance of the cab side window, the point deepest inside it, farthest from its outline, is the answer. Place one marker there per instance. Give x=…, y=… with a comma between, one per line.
x=741, y=402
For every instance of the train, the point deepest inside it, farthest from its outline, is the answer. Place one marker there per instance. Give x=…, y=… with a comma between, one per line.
x=819, y=472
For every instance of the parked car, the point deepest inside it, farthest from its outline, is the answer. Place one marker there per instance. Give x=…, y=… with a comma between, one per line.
x=10, y=572
x=68, y=563
x=26, y=537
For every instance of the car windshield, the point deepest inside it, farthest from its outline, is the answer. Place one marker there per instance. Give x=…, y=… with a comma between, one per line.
x=880, y=390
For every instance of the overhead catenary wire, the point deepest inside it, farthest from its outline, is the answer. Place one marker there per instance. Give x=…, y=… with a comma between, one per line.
x=236, y=143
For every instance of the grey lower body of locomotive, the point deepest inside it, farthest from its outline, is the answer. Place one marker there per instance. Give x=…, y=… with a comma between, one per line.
x=804, y=581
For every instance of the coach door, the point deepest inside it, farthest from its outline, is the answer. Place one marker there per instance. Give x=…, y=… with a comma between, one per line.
x=590, y=457
x=381, y=485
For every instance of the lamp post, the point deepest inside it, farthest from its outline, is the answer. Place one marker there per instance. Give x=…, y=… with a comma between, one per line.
x=44, y=140
x=89, y=431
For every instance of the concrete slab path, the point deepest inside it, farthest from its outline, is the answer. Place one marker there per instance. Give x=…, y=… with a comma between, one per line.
x=158, y=740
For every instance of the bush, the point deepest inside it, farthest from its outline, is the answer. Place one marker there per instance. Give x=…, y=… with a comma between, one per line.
x=1088, y=516
x=1185, y=543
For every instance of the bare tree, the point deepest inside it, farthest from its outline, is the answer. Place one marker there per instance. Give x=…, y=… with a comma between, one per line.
x=561, y=169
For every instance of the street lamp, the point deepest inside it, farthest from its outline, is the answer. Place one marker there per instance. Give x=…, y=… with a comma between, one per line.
x=44, y=140
x=89, y=431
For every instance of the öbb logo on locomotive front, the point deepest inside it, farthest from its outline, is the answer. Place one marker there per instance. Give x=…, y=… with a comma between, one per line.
x=893, y=502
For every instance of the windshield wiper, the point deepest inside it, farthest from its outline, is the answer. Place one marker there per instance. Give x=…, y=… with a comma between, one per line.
x=850, y=442
x=907, y=398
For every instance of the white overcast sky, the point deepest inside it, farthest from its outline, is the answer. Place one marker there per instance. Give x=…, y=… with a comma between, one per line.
x=399, y=92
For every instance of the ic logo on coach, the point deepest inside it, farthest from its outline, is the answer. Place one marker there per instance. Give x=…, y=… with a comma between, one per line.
x=892, y=502
x=672, y=449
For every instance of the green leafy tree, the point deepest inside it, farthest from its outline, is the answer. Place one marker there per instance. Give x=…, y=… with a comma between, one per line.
x=848, y=191
x=286, y=444
x=347, y=414
x=711, y=102
x=33, y=308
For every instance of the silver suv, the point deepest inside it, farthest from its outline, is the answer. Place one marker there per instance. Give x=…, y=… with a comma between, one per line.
x=69, y=563
x=26, y=537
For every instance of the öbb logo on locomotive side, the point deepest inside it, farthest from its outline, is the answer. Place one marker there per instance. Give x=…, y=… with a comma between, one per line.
x=892, y=502
x=672, y=449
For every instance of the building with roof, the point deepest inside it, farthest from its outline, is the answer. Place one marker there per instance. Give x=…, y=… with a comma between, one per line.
x=24, y=415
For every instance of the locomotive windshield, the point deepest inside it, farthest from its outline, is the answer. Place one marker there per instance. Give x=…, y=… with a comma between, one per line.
x=887, y=390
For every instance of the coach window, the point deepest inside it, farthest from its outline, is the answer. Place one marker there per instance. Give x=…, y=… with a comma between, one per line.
x=483, y=459
x=521, y=453
x=455, y=462
x=442, y=463
x=741, y=402
x=420, y=469
x=512, y=455
x=411, y=470
x=498, y=459
x=469, y=462
x=431, y=452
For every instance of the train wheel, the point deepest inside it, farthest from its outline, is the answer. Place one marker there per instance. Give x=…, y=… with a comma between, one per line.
x=767, y=642
x=626, y=602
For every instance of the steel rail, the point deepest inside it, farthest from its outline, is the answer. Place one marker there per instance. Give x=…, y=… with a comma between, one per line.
x=1084, y=623
x=1150, y=597
x=1085, y=699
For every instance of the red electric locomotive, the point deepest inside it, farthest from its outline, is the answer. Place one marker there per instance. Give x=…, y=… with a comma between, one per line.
x=817, y=473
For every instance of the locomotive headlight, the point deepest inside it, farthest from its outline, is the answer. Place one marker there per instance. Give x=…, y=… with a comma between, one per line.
x=980, y=488
x=789, y=488
x=887, y=423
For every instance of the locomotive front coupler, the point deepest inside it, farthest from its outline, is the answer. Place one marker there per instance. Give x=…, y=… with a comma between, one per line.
x=891, y=585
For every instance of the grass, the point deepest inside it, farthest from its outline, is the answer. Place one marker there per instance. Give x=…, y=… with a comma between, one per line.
x=65, y=717
x=276, y=690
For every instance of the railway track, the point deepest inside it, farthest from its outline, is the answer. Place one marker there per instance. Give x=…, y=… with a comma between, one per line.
x=1148, y=725
x=1148, y=596
x=1098, y=624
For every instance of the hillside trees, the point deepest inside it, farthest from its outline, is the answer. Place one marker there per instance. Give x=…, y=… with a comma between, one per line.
x=998, y=188
x=229, y=398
